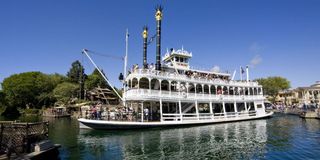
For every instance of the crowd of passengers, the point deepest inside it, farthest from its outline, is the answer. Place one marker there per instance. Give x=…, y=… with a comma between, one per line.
x=98, y=112
x=189, y=74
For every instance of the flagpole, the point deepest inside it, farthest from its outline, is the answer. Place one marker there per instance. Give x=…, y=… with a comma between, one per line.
x=126, y=57
x=247, y=70
x=234, y=73
x=240, y=73
x=125, y=68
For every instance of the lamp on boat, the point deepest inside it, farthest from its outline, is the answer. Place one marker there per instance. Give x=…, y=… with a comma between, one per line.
x=158, y=17
x=145, y=43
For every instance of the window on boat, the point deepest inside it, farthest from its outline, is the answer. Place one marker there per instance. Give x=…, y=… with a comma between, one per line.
x=174, y=86
x=217, y=109
x=204, y=108
x=206, y=89
x=191, y=88
x=144, y=83
x=250, y=106
x=188, y=108
x=164, y=85
x=241, y=107
x=229, y=107
x=213, y=90
x=155, y=84
x=170, y=107
x=259, y=105
x=199, y=88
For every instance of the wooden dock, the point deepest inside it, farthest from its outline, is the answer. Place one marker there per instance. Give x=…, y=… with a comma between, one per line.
x=18, y=140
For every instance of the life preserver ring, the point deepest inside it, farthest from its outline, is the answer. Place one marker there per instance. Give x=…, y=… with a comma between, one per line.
x=184, y=94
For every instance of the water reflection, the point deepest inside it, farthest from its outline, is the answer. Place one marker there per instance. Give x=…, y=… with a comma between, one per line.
x=241, y=140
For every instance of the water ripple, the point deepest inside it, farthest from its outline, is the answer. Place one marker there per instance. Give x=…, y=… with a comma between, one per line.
x=280, y=137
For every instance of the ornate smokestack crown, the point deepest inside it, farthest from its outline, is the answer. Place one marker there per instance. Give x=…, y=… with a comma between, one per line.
x=158, y=13
x=145, y=32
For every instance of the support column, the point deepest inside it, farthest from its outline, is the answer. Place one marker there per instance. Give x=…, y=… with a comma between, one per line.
x=187, y=86
x=160, y=87
x=224, y=109
x=161, y=110
x=149, y=85
x=151, y=111
x=235, y=108
x=216, y=88
x=142, y=112
x=195, y=89
x=245, y=106
x=170, y=88
x=202, y=89
x=197, y=110
x=180, y=110
x=211, y=112
x=179, y=92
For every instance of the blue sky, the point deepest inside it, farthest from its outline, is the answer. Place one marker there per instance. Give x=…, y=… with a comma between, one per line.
x=280, y=37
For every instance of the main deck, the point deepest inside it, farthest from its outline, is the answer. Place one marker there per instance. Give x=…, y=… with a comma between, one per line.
x=102, y=124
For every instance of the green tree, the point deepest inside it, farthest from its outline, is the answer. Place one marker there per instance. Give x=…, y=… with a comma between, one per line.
x=65, y=91
x=76, y=72
x=94, y=80
x=272, y=85
x=76, y=75
x=27, y=89
x=47, y=98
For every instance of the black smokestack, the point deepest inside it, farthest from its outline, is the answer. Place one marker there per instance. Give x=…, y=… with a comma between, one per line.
x=158, y=49
x=145, y=39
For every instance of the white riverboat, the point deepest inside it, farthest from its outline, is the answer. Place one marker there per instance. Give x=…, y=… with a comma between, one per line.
x=171, y=93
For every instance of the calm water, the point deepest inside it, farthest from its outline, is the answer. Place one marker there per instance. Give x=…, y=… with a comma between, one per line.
x=280, y=137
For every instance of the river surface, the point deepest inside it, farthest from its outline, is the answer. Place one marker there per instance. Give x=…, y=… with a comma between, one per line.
x=279, y=137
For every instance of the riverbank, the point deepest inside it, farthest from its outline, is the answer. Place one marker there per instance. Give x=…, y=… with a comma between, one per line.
x=303, y=113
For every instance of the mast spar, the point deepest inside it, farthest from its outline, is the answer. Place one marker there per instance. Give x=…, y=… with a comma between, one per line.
x=85, y=51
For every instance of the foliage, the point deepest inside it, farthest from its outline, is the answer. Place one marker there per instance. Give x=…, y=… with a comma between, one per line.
x=31, y=111
x=65, y=91
x=47, y=98
x=272, y=85
x=30, y=89
x=95, y=80
x=76, y=72
x=2, y=101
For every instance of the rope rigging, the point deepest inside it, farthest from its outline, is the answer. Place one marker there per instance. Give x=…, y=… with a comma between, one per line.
x=105, y=55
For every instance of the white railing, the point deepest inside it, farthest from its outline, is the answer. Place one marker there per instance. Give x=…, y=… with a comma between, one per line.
x=157, y=94
x=205, y=116
x=138, y=73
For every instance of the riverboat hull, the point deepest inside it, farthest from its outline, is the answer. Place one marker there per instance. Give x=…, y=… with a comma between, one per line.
x=118, y=125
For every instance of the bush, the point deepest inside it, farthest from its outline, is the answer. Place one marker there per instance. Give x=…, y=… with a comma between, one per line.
x=31, y=111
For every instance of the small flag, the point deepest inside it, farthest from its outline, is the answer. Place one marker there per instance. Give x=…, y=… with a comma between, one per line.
x=242, y=70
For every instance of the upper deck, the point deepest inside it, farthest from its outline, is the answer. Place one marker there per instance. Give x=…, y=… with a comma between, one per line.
x=148, y=84
x=194, y=78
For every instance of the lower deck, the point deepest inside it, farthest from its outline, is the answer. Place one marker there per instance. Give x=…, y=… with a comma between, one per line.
x=165, y=111
x=101, y=124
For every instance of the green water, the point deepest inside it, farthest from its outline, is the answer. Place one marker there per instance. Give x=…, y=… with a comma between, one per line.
x=280, y=137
